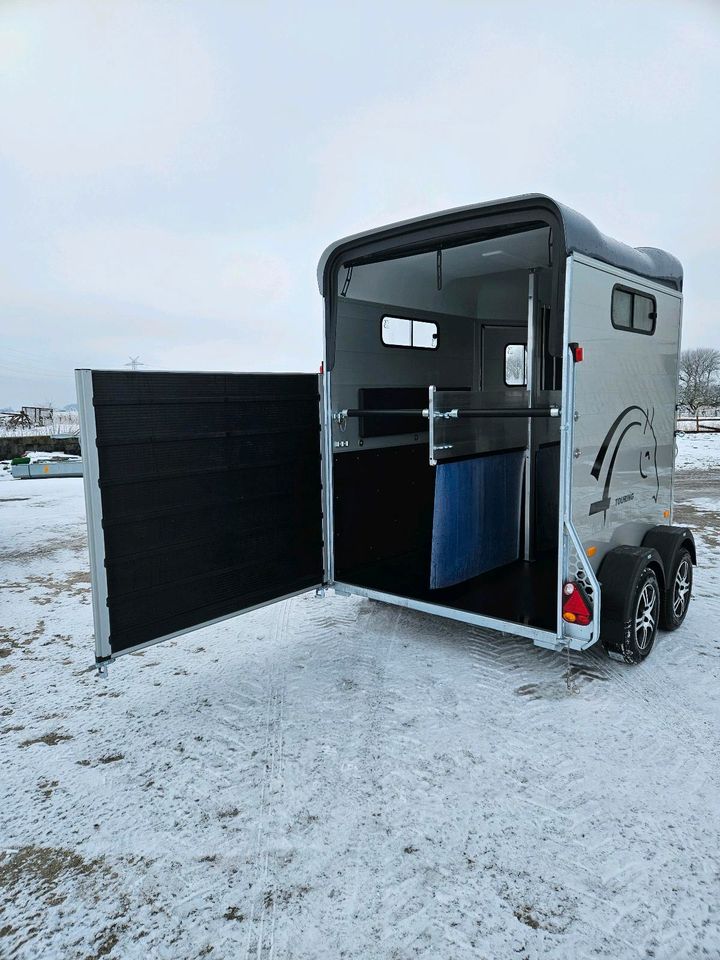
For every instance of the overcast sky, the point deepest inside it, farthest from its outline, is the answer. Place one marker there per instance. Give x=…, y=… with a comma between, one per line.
x=170, y=172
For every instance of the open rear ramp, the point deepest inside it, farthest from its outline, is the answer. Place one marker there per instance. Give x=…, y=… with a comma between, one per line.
x=203, y=495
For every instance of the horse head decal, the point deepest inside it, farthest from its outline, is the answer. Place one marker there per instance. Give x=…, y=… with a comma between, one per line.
x=631, y=418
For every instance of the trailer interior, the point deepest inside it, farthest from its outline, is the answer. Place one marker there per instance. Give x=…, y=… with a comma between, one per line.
x=478, y=530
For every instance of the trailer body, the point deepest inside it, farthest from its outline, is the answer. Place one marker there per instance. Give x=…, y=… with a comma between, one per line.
x=491, y=439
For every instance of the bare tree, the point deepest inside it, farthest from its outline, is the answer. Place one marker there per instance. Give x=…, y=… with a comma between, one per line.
x=699, y=379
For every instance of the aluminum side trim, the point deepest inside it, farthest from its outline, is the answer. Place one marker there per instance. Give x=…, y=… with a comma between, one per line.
x=567, y=406
x=328, y=475
x=530, y=386
x=93, y=512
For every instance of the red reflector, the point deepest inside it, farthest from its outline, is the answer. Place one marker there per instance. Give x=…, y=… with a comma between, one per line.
x=322, y=366
x=577, y=605
x=578, y=354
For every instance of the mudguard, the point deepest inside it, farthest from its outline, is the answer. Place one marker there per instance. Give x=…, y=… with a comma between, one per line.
x=618, y=574
x=668, y=541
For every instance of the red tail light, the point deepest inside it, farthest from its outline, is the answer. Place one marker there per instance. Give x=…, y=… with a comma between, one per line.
x=576, y=606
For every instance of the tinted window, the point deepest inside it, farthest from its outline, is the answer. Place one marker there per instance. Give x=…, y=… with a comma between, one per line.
x=633, y=311
x=401, y=332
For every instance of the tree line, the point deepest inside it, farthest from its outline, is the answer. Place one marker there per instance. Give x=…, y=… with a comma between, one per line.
x=699, y=379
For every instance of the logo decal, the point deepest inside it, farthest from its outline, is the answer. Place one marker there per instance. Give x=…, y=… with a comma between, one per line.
x=631, y=418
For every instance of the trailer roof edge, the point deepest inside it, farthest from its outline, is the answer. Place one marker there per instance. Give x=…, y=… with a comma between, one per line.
x=580, y=235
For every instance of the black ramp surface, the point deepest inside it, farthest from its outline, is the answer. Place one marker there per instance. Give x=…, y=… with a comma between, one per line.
x=211, y=495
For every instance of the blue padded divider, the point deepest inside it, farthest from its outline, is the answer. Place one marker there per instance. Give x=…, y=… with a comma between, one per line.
x=476, y=519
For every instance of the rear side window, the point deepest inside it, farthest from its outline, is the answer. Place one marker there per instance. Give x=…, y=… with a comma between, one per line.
x=633, y=311
x=404, y=332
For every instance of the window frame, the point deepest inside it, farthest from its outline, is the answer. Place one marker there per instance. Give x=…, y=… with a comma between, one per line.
x=634, y=292
x=411, y=320
x=516, y=386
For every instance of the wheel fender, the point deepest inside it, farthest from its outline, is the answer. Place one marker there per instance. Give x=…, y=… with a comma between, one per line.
x=668, y=541
x=620, y=568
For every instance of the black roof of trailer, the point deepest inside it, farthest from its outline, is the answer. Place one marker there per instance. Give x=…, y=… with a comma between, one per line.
x=573, y=232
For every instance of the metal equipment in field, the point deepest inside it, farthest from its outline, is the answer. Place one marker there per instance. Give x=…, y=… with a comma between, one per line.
x=46, y=469
x=27, y=417
x=491, y=439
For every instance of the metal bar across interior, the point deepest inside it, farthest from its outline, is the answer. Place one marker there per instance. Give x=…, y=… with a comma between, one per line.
x=522, y=412
x=384, y=413
x=456, y=414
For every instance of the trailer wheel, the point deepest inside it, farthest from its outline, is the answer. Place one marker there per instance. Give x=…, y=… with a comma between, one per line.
x=676, y=598
x=630, y=637
x=647, y=614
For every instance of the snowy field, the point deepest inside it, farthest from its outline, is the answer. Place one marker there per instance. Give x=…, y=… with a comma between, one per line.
x=698, y=451
x=343, y=779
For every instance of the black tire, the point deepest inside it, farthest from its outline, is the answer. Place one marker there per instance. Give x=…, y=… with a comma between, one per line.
x=633, y=640
x=676, y=597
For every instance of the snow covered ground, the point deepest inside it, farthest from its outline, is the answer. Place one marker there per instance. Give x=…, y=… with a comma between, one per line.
x=698, y=451
x=339, y=778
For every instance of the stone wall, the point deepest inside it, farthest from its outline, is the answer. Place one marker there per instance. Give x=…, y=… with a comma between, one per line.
x=16, y=446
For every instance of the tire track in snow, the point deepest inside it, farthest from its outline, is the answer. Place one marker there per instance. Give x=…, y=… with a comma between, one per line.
x=381, y=623
x=260, y=941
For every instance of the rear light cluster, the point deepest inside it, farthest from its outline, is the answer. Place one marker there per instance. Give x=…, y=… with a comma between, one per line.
x=576, y=606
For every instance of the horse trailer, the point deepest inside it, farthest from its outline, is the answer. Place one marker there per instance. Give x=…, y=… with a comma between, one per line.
x=491, y=438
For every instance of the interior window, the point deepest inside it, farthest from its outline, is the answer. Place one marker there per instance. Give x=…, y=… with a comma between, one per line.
x=424, y=334
x=396, y=332
x=633, y=311
x=516, y=365
x=401, y=332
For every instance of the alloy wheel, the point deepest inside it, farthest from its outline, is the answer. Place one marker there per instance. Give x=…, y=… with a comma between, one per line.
x=681, y=588
x=646, y=614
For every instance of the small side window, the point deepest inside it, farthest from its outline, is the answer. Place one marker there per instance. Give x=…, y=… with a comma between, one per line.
x=633, y=311
x=515, y=365
x=403, y=332
x=622, y=309
x=644, y=314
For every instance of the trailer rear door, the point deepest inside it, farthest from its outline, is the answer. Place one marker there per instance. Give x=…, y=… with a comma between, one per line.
x=203, y=494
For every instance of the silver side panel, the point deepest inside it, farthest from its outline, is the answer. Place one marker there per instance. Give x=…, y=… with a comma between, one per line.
x=93, y=511
x=625, y=393
x=617, y=430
